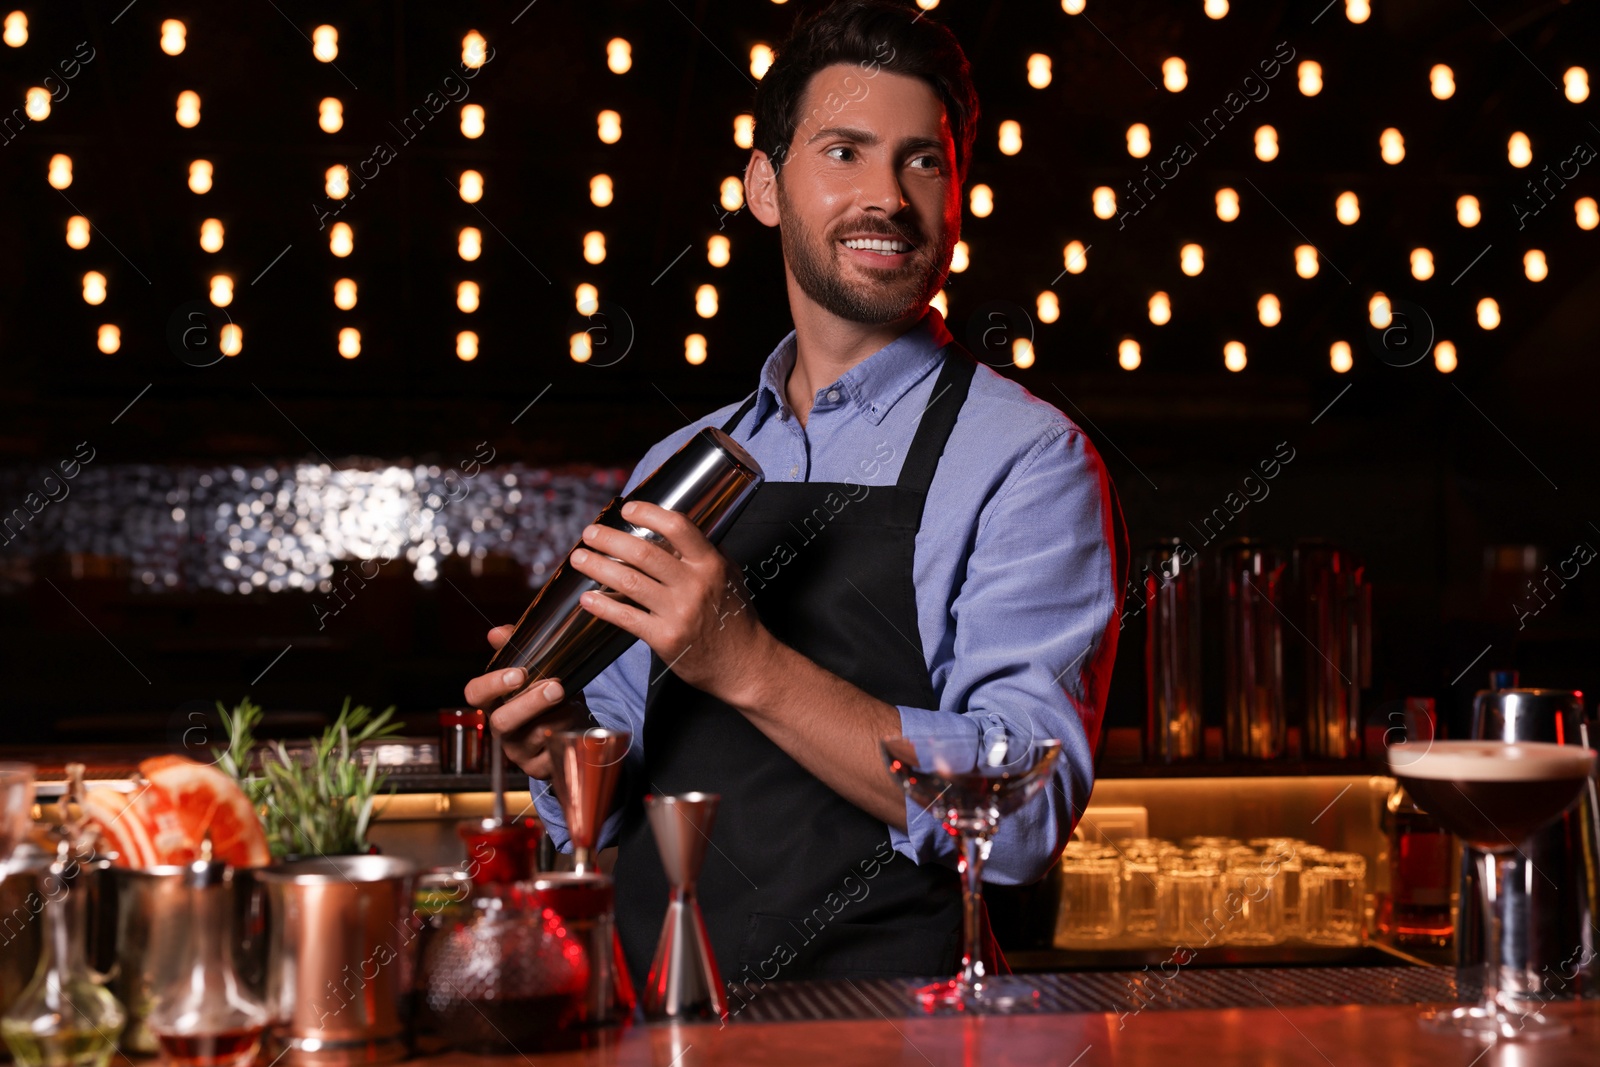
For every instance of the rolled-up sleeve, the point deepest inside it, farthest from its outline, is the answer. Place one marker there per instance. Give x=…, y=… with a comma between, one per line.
x=1036, y=623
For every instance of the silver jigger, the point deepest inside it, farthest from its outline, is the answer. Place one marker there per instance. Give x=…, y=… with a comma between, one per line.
x=684, y=982
x=585, y=766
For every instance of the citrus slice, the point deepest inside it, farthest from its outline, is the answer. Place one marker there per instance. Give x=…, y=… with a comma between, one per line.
x=186, y=800
x=121, y=829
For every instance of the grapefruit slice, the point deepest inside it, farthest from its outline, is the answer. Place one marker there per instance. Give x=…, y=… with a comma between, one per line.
x=120, y=827
x=185, y=800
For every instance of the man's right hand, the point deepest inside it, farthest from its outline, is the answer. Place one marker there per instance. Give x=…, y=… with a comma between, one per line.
x=521, y=721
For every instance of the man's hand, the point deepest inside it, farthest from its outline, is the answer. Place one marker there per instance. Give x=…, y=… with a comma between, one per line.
x=691, y=610
x=520, y=723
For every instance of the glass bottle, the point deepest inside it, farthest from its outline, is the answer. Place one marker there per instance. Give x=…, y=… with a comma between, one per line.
x=65, y=1017
x=204, y=1016
x=1416, y=911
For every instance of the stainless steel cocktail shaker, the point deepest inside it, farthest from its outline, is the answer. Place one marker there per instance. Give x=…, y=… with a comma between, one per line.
x=709, y=480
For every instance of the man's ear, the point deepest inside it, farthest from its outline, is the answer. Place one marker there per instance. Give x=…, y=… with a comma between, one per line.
x=761, y=188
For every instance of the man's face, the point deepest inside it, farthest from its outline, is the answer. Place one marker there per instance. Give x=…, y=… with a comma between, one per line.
x=872, y=157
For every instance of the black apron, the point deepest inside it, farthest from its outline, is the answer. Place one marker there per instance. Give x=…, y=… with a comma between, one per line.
x=798, y=882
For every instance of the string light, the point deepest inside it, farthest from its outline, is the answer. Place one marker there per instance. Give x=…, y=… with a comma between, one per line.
x=580, y=347
x=1160, y=309
x=744, y=131
x=718, y=250
x=705, y=301
x=1488, y=313
x=344, y=294
x=466, y=346
x=1391, y=145
x=1347, y=208
x=1227, y=204
x=1519, y=150
x=211, y=235
x=619, y=55
x=330, y=115
x=1022, y=353
x=1072, y=7
x=1174, y=74
x=760, y=60
x=1576, y=80
x=960, y=258
x=694, y=348
x=610, y=124
x=1047, y=307
x=1010, y=137
x=981, y=201
x=1421, y=264
x=221, y=290
x=341, y=239
x=731, y=193
x=1467, y=212
x=1339, y=357
x=1075, y=257
x=1305, y=261
x=1357, y=11
x=1379, y=313
x=109, y=339
x=1191, y=260
x=467, y=297
x=16, y=32
x=349, y=342
x=474, y=50
x=200, y=176
x=1216, y=8
x=472, y=121
x=1128, y=354
x=1233, y=356
x=77, y=232
x=1310, y=74
x=1266, y=144
x=1587, y=213
x=1039, y=70
x=588, y=299
x=36, y=103
x=1444, y=356
x=1534, y=265
x=188, y=109
x=600, y=190
x=1105, y=202
x=1138, y=140
x=1268, y=310
x=594, y=247
x=325, y=44
x=172, y=36
x=94, y=287
x=60, y=174
x=1442, y=81
x=230, y=339
x=941, y=302
x=471, y=186
x=336, y=181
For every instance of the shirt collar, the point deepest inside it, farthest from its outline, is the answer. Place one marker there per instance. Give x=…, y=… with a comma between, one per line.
x=875, y=384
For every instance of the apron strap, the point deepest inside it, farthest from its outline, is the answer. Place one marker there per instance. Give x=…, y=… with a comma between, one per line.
x=938, y=418
x=738, y=416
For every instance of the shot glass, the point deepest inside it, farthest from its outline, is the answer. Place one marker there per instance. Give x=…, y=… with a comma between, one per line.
x=1333, y=889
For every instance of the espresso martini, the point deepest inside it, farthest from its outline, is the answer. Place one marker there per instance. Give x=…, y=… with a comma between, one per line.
x=1492, y=794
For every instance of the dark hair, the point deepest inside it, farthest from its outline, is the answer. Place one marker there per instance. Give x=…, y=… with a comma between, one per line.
x=874, y=34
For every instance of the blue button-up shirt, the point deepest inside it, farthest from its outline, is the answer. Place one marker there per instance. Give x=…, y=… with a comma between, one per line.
x=1015, y=573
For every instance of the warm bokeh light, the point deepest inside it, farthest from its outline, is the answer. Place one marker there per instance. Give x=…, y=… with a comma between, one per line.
x=16, y=32
x=60, y=173
x=1268, y=310
x=600, y=190
x=344, y=294
x=77, y=232
x=330, y=115
x=1519, y=150
x=1227, y=204
x=1174, y=74
x=172, y=36
x=1347, y=208
x=1305, y=261
x=1467, y=212
x=1075, y=257
x=466, y=346
x=1587, y=213
x=94, y=287
x=1233, y=356
x=1442, y=82
x=1391, y=145
x=336, y=182
x=221, y=290
x=694, y=348
x=211, y=235
x=200, y=176
x=1138, y=140
x=1576, y=80
x=1215, y=9
x=467, y=297
x=942, y=302
x=731, y=193
x=1421, y=264
x=1128, y=354
x=1105, y=202
x=1039, y=70
x=744, y=131
x=1160, y=309
x=325, y=44
x=1010, y=137
x=469, y=243
x=718, y=250
x=1339, y=357
x=1266, y=144
x=188, y=109
x=1191, y=260
x=1488, y=313
x=109, y=339
x=610, y=126
x=760, y=60
x=705, y=301
x=981, y=201
x=580, y=346
x=1310, y=77
x=1444, y=356
x=1357, y=11
x=230, y=339
x=1534, y=265
x=1379, y=313
x=1022, y=353
x=594, y=247
x=619, y=55
x=341, y=239
x=1072, y=7
x=472, y=121
x=36, y=103
x=474, y=50
x=349, y=342
x=960, y=257
x=471, y=186
x=587, y=299
x=1048, y=307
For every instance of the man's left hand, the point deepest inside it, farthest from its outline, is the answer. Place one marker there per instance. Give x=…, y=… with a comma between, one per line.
x=692, y=608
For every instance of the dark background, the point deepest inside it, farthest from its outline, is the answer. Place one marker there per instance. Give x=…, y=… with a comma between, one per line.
x=1422, y=473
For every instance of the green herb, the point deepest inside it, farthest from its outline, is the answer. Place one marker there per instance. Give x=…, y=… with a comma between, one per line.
x=319, y=807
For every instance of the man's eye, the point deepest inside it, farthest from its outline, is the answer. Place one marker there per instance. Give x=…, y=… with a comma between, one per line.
x=841, y=148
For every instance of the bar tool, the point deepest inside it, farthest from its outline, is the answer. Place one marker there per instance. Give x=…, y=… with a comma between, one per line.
x=684, y=982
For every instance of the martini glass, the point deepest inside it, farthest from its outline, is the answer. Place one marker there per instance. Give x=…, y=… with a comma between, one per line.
x=970, y=784
x=1495, y=796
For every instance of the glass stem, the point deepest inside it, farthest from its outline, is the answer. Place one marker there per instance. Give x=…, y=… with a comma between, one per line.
x=975, y=841
x=1494, y=872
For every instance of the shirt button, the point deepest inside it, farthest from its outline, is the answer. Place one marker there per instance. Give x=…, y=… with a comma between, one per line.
x=833, y=395
x=794, y=471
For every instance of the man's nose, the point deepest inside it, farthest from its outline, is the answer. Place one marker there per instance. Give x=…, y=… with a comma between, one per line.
x=880, y=187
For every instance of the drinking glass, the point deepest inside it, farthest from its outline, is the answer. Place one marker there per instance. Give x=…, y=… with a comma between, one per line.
x=1189, y=898
x=1253, y=897
x=1333, y=898
x=1091, y=897
x=970, y=784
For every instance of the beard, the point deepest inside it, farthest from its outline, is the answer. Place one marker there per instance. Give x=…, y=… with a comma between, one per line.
x=897, y=294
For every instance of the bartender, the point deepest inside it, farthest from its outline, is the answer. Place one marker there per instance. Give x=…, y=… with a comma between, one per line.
x=935, y=549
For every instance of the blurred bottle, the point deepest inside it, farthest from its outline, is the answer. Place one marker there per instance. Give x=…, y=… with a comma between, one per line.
x=1252, y=594
x=1335, y=604
x=1171, y=589
x=1415, y=912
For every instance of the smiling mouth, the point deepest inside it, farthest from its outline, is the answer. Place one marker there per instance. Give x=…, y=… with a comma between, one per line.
x=885, y=248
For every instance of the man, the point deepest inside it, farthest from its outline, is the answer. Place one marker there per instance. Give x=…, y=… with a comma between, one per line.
x=934, y=550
